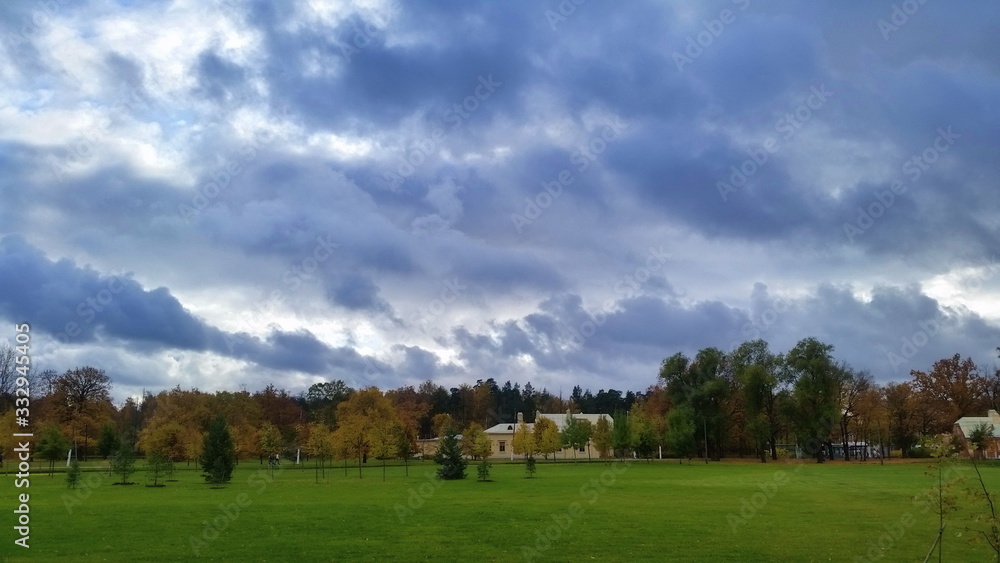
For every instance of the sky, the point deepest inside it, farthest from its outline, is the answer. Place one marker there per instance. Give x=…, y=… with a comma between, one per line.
x=227, y=194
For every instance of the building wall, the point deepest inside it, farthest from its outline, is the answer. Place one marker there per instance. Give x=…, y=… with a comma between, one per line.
x=508, y=451
x=992, y=450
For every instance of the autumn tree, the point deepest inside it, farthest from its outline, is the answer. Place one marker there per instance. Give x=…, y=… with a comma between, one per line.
x=952, y=389
x=410, y=407
x=524, y=443
x=852, y=386
x=483, y=406
x=176, y=423
x=602, y=436
x=476, y=443
x=167, y=438
x=244, y=416
x=901, y=405
x=358, y=419
x=871, y=420
x=84, y=397
x=442, y=424
x=280, y=409
x=385, y=441
x=405, y=446
x=320, y=446
x=547, y=436
x=270, y=440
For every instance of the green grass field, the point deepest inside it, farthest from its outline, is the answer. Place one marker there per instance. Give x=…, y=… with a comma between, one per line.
x=657, y=511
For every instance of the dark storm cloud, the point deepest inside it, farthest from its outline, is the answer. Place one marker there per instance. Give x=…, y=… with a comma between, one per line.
x=79, y=305
x=357, y=292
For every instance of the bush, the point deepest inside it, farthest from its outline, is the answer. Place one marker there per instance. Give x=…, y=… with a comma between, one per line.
x=529, y=466
x=783, y=454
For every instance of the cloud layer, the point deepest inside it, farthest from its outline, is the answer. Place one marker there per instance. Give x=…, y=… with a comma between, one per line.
x=222, y=193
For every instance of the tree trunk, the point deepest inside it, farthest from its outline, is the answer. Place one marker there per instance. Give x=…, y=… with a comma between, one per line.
x=843, y=439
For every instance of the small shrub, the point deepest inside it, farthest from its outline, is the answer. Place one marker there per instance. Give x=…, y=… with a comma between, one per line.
x=783, y=454
x=529, y=466
x=483, y=470
x=73, y=475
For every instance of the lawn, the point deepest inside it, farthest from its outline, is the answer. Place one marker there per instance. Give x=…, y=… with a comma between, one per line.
x=657, y=511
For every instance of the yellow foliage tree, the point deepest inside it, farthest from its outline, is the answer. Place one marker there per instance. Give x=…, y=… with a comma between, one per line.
x=524, y=442
x=547, y=436
x=166, y=438
x=362, y=418
x=476, y=443
x=602, y=436
x=270, y=440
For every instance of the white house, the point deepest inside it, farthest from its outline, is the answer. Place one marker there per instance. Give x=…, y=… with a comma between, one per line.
x=502, y=435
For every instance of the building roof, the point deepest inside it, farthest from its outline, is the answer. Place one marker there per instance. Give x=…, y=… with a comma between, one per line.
x=506, y=427
x=969, y=423
x=558, y=418
x=561, y=418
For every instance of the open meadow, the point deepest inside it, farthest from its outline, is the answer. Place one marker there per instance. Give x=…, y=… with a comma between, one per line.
x=569, y=511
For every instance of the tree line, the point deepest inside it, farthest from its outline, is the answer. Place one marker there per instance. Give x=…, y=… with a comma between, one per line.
x=750, y=401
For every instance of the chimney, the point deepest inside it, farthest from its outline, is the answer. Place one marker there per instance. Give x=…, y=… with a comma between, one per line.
x=520, y=417
x=994, y=416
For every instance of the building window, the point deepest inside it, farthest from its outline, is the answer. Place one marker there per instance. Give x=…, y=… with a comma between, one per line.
x=503, y=446
x=583, y=449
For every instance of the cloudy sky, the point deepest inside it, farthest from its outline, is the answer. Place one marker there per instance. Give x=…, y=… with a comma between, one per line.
x=217, y=193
